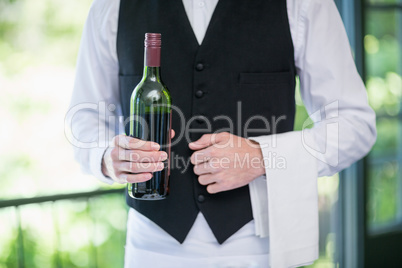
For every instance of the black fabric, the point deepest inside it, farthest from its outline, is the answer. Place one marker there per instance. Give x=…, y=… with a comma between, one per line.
x=245, y=66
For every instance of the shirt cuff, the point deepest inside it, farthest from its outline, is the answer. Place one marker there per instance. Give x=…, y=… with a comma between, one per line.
x=259, y=205
x=96, y=165
x=259, y=198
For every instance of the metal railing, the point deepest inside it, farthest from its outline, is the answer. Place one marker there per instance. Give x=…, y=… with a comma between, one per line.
x=17, y=203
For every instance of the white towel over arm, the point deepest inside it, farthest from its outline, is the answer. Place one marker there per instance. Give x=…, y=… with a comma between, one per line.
x=291, y=187
x=344, y=131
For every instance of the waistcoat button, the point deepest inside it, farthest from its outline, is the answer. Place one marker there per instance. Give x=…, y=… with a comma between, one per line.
x=199, y=67
x=201, y=198
x=199, y=93
x=200, y=119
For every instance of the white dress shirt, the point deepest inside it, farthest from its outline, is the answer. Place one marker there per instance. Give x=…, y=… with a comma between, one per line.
x=284, y=203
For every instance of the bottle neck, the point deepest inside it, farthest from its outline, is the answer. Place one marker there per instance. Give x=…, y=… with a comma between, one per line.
x=152, y=73
x=152, y=63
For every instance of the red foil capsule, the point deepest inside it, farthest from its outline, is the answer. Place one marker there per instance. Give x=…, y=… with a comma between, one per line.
x=153, y=44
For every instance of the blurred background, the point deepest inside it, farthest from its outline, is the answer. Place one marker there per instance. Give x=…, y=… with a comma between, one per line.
x=53, y=216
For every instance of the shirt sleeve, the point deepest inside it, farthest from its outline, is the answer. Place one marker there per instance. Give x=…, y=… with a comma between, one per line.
x=93, y=116
x=332, y=90
x=334, y=95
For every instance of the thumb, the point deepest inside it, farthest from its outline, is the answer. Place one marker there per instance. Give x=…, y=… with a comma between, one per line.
x=203, y=142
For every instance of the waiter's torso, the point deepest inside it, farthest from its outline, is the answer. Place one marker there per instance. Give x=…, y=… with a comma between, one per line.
x=243, y=71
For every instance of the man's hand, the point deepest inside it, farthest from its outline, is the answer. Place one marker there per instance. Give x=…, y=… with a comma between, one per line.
x=132, y=160
x=224, y=161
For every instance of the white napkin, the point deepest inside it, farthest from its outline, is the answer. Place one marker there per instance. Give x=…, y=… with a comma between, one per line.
x=290, y=218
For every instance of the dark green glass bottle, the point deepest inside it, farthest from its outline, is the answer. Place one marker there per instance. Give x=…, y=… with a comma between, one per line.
x=150, y=120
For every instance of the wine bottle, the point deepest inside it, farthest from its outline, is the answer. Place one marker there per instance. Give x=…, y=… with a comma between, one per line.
x=150, y=119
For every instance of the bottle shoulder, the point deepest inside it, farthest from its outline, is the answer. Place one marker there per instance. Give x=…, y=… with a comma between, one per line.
x=151, y=91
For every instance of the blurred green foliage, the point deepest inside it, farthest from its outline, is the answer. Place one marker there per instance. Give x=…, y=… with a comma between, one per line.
x=46, y=31
x=384, y=84
x=82, y=233
x=39, y=42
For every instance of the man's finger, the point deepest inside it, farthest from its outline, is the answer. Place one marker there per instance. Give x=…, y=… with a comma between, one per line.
x=202, y=156
x=127, y=142
x=208, y=140
x=214, y=188
x=143, y=156
x=206, y=168
x=206, y=179
x=133, y=178
x=218, y=187
x=132, y=167
x=203, y=142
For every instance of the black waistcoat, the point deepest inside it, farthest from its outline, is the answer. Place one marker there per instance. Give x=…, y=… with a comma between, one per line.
x=244, y=67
